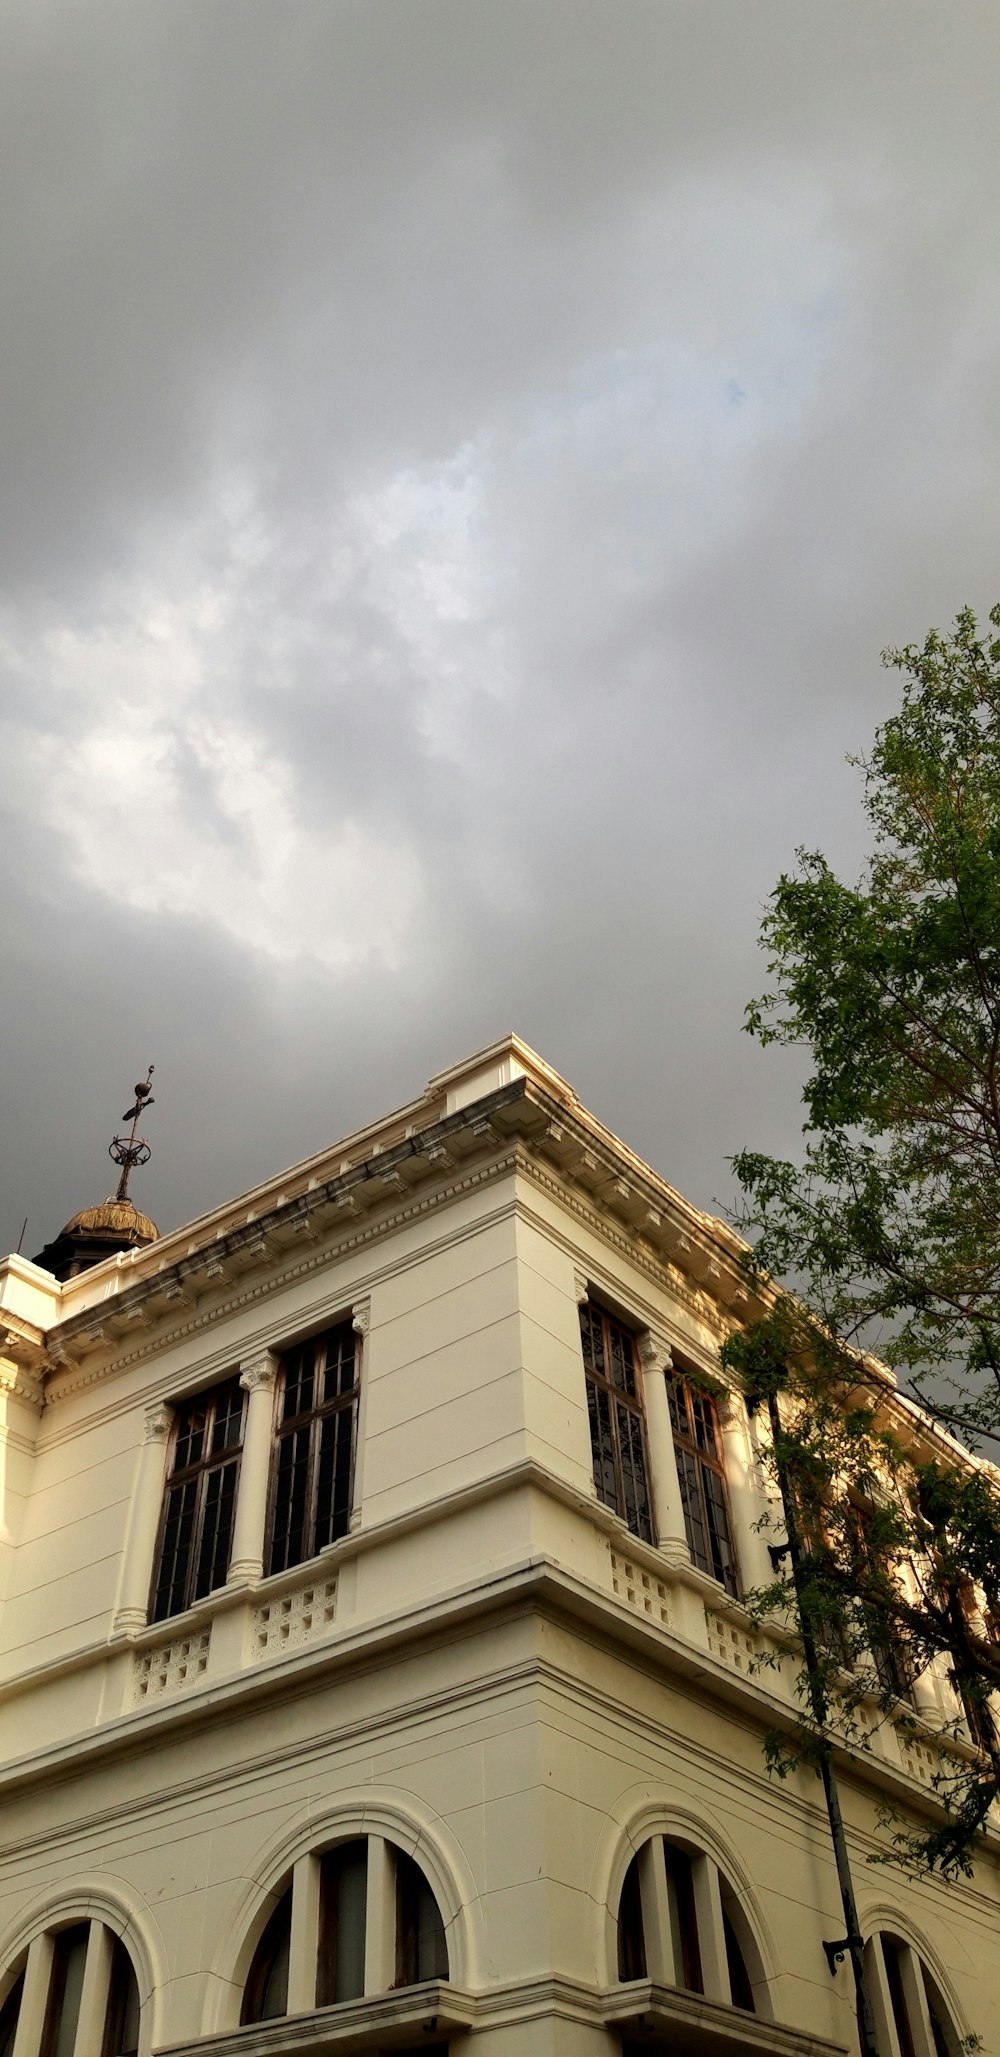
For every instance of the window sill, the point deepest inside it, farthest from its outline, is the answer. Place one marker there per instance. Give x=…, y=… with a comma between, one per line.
x=665, y=2017
x=387, y=2022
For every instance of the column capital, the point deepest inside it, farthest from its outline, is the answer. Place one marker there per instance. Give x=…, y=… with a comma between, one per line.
x=156, y=1423
x=655, y=1353
x=258, y=1371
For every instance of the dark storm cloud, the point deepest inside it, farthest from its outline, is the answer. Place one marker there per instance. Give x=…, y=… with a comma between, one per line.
x=458, y=466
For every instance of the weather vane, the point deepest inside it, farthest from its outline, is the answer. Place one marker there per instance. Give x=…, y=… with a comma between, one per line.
x=135, y=1150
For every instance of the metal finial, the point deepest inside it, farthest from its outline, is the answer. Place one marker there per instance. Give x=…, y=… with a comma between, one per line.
x=134, y=1150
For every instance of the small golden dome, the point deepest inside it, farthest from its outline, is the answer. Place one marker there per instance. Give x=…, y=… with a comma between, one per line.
x=114, y=1218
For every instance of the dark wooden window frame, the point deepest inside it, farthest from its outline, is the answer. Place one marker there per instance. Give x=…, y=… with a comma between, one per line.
x=310, y=1420
x=615, y=1409
x=701, y=1472
x=196, y=1473
x=343, y=1864
x=414, y=1896
x=271, y=1943
x=888, y=1646
x=9, y=2011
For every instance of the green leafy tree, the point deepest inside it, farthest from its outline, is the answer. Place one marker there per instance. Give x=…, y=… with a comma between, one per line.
x=886, y=1549
x=891, y=1223
x=888, y=1230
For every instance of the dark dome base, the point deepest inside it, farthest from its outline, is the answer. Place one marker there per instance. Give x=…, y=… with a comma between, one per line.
x=94, y=1234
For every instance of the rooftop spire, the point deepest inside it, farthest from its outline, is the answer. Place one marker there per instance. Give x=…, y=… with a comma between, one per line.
x=115, y=1225
x=135, y=1150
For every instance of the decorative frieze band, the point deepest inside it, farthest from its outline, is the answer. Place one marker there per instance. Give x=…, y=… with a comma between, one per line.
x=19, y=1382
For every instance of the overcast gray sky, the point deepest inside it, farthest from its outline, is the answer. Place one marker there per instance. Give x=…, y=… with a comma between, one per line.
x=461, y=460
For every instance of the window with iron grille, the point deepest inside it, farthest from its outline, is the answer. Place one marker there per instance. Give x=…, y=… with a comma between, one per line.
x=314, y=1454
x=702, y=1478
x=617, y=1430
x=199, y=1504
x=886, y=1638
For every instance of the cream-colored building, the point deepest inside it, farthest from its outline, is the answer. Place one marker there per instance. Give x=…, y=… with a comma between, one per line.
x=342, y=1710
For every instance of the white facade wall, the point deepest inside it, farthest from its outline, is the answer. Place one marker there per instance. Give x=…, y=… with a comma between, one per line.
x=489, y=1669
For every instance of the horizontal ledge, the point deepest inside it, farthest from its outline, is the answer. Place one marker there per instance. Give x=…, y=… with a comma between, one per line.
x=707, y=2028
x=386, y=2022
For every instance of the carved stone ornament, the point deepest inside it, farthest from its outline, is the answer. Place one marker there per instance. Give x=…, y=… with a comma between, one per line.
x=361, y=1317
x=157, y=1423
x=259, y=1371
x=654, y=1351
x=581, y=1286
x=23, y=1384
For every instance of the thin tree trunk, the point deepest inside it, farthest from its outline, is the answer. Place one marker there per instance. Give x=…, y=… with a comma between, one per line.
x=817, y=1698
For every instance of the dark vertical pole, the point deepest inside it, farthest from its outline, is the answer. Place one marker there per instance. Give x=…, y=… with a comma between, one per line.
x=817, y=1701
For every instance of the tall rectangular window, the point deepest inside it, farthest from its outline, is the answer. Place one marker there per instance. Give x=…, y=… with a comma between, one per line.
x=702, y=1477
x=887, y=1641
x=617, y=1431
x=196, y=1527
x=314, y=1457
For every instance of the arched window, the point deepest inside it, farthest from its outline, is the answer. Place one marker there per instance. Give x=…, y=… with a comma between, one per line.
x=370, y=1923
x=80, y=1966
x=121, y=2027
x=8, y=2016
x=910, y=2012
x=265, y=1995
x=681, y=1924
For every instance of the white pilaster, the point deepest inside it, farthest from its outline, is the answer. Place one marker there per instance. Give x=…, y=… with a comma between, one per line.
x=257, y=1379
x=668, y=1508
x=711, y=1934
x=662, y=1962
x=361, y=1317
x=747, y=1500
x=915, y=2001
x=34, y=1998
x=94, y=1993
x=380, y=1918
x=881, y=1999
x=303, y=1949
x=143, y=1522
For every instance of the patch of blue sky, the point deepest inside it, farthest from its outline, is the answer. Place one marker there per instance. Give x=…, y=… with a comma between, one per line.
x=769, y=381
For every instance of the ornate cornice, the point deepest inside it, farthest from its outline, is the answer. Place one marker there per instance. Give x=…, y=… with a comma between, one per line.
x=21, y=1384
x=316, y=1258
x=660, y=1270
x=565, y=1152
